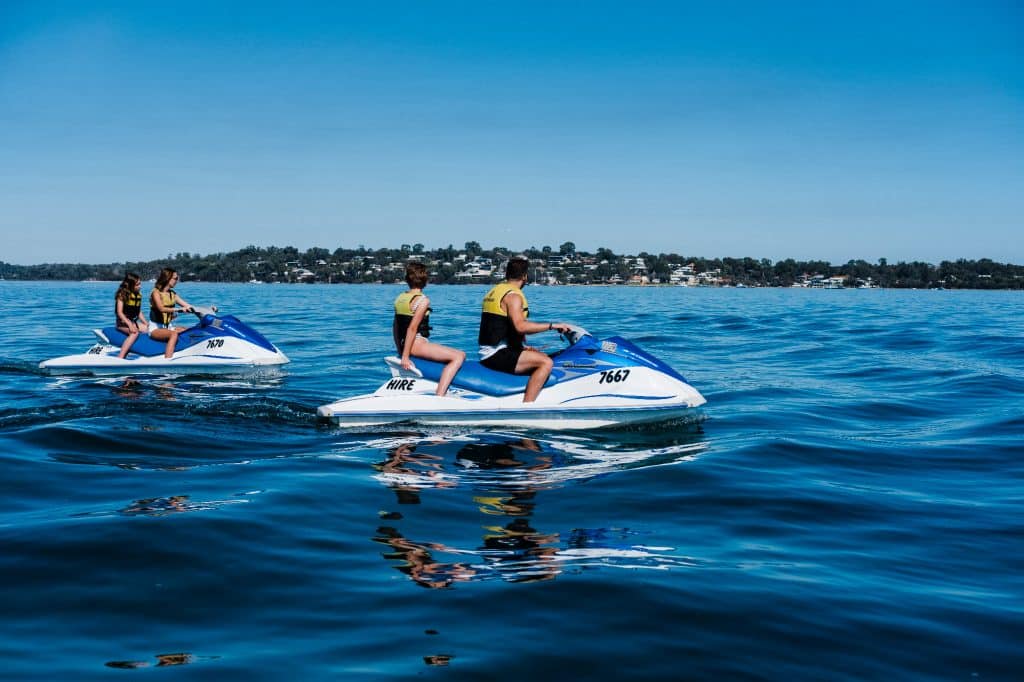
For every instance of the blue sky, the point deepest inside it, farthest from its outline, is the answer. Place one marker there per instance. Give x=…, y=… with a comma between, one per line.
x=133, y=130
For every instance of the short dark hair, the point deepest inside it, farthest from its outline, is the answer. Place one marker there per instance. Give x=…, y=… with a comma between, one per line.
x=416, y=275
x=517, y=268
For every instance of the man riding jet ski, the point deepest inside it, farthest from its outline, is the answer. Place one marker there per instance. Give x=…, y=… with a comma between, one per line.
x=216, y=343
x=504, y=324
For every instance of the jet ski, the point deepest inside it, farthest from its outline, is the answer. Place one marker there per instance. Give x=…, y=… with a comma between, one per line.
x=594, y=383
x=216, y=343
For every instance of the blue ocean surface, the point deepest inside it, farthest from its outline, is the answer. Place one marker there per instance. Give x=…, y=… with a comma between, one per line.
x=851, y=506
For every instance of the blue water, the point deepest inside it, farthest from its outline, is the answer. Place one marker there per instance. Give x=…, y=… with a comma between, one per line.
x=851, y=508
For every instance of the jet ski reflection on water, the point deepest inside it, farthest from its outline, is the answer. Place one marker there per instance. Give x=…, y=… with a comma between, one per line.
x=594, y=383
x=216, y=343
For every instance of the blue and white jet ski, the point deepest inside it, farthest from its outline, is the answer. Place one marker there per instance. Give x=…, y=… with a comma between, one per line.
x=217, y=343
x=594, y=383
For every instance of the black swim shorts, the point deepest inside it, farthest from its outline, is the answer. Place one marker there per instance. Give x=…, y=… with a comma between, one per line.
x=503, y=361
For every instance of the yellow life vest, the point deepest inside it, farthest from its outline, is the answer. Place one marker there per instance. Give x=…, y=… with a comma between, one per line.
x=403, y=318
x=167, y=298
x=495, y=326
x=131, y=306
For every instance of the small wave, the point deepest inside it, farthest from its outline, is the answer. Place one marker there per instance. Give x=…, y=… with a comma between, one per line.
x=889, y=411
x=731, y=323
x=71, y=398
x=20, y=367
x=907, y=340
x=987, y=386
x=266, y=410
x=32, y=416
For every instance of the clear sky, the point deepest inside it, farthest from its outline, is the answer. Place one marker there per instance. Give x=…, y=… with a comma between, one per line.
x=132, y=130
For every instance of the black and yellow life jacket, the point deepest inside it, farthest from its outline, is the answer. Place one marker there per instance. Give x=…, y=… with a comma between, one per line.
x=131, y=306
x=495, y=325
x=403, y=318
x=167, y=298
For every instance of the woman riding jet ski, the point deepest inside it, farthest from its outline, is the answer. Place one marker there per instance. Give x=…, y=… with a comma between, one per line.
x=217, y=342
x=594, y=383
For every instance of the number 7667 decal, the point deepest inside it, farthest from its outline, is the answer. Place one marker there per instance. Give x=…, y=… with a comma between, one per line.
x=613, y=376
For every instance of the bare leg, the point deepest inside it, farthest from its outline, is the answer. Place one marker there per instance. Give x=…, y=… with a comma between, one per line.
x=126, y=346
x=168, y=335
x=171, y=343
x=452, y=358
x=538, y=366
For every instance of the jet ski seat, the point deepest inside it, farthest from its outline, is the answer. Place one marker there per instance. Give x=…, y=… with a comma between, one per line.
x=146, y=346
x=475, y=377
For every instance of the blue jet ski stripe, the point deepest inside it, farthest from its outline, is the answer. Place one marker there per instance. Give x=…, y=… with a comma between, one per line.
x=619, y=395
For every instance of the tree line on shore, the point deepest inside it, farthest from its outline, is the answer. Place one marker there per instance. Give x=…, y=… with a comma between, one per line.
x=565, y=265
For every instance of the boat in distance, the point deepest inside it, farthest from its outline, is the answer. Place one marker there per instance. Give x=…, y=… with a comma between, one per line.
x=217, y=343
x=594, y=384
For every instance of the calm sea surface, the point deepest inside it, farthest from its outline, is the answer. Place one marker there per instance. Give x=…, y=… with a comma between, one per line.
x=851, y=508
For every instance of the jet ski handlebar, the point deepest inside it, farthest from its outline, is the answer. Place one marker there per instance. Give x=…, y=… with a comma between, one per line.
x=202, y=311
x=573, y=335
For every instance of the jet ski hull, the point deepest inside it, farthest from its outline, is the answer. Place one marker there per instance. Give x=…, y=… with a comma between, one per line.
x=426, y=411
x=102, y=359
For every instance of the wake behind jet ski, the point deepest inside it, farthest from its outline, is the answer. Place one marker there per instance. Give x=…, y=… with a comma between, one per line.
x=216, y=343
x=594, y=383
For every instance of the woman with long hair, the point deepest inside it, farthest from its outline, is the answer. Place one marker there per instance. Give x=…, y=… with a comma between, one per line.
x=164, y=306
x=128, y=311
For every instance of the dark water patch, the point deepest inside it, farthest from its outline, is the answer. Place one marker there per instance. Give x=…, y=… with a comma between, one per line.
x=131, y=407
x=908, y=340
x=654, y=339
x=986, y=386
x=892, y=374
x=20, y=367
x=26, y=417
x=867, y=331
x=274, y=413
x=762, y=395
x=111, y=442
x=789, y=451
x=891, y=411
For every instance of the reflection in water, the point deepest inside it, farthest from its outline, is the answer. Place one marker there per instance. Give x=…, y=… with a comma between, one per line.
x=175, y=504
x=162, y=660
x=507, y=476
x=174, y=659
x=418, y=560
x=134, y=389
x=157, y=506
x=403, y=463
x=519, y=553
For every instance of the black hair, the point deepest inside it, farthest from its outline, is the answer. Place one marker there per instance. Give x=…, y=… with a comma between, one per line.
x=517, y=268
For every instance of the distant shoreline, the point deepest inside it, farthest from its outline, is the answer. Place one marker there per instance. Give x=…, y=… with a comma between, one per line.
x=602, y=285
x=475, y=264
